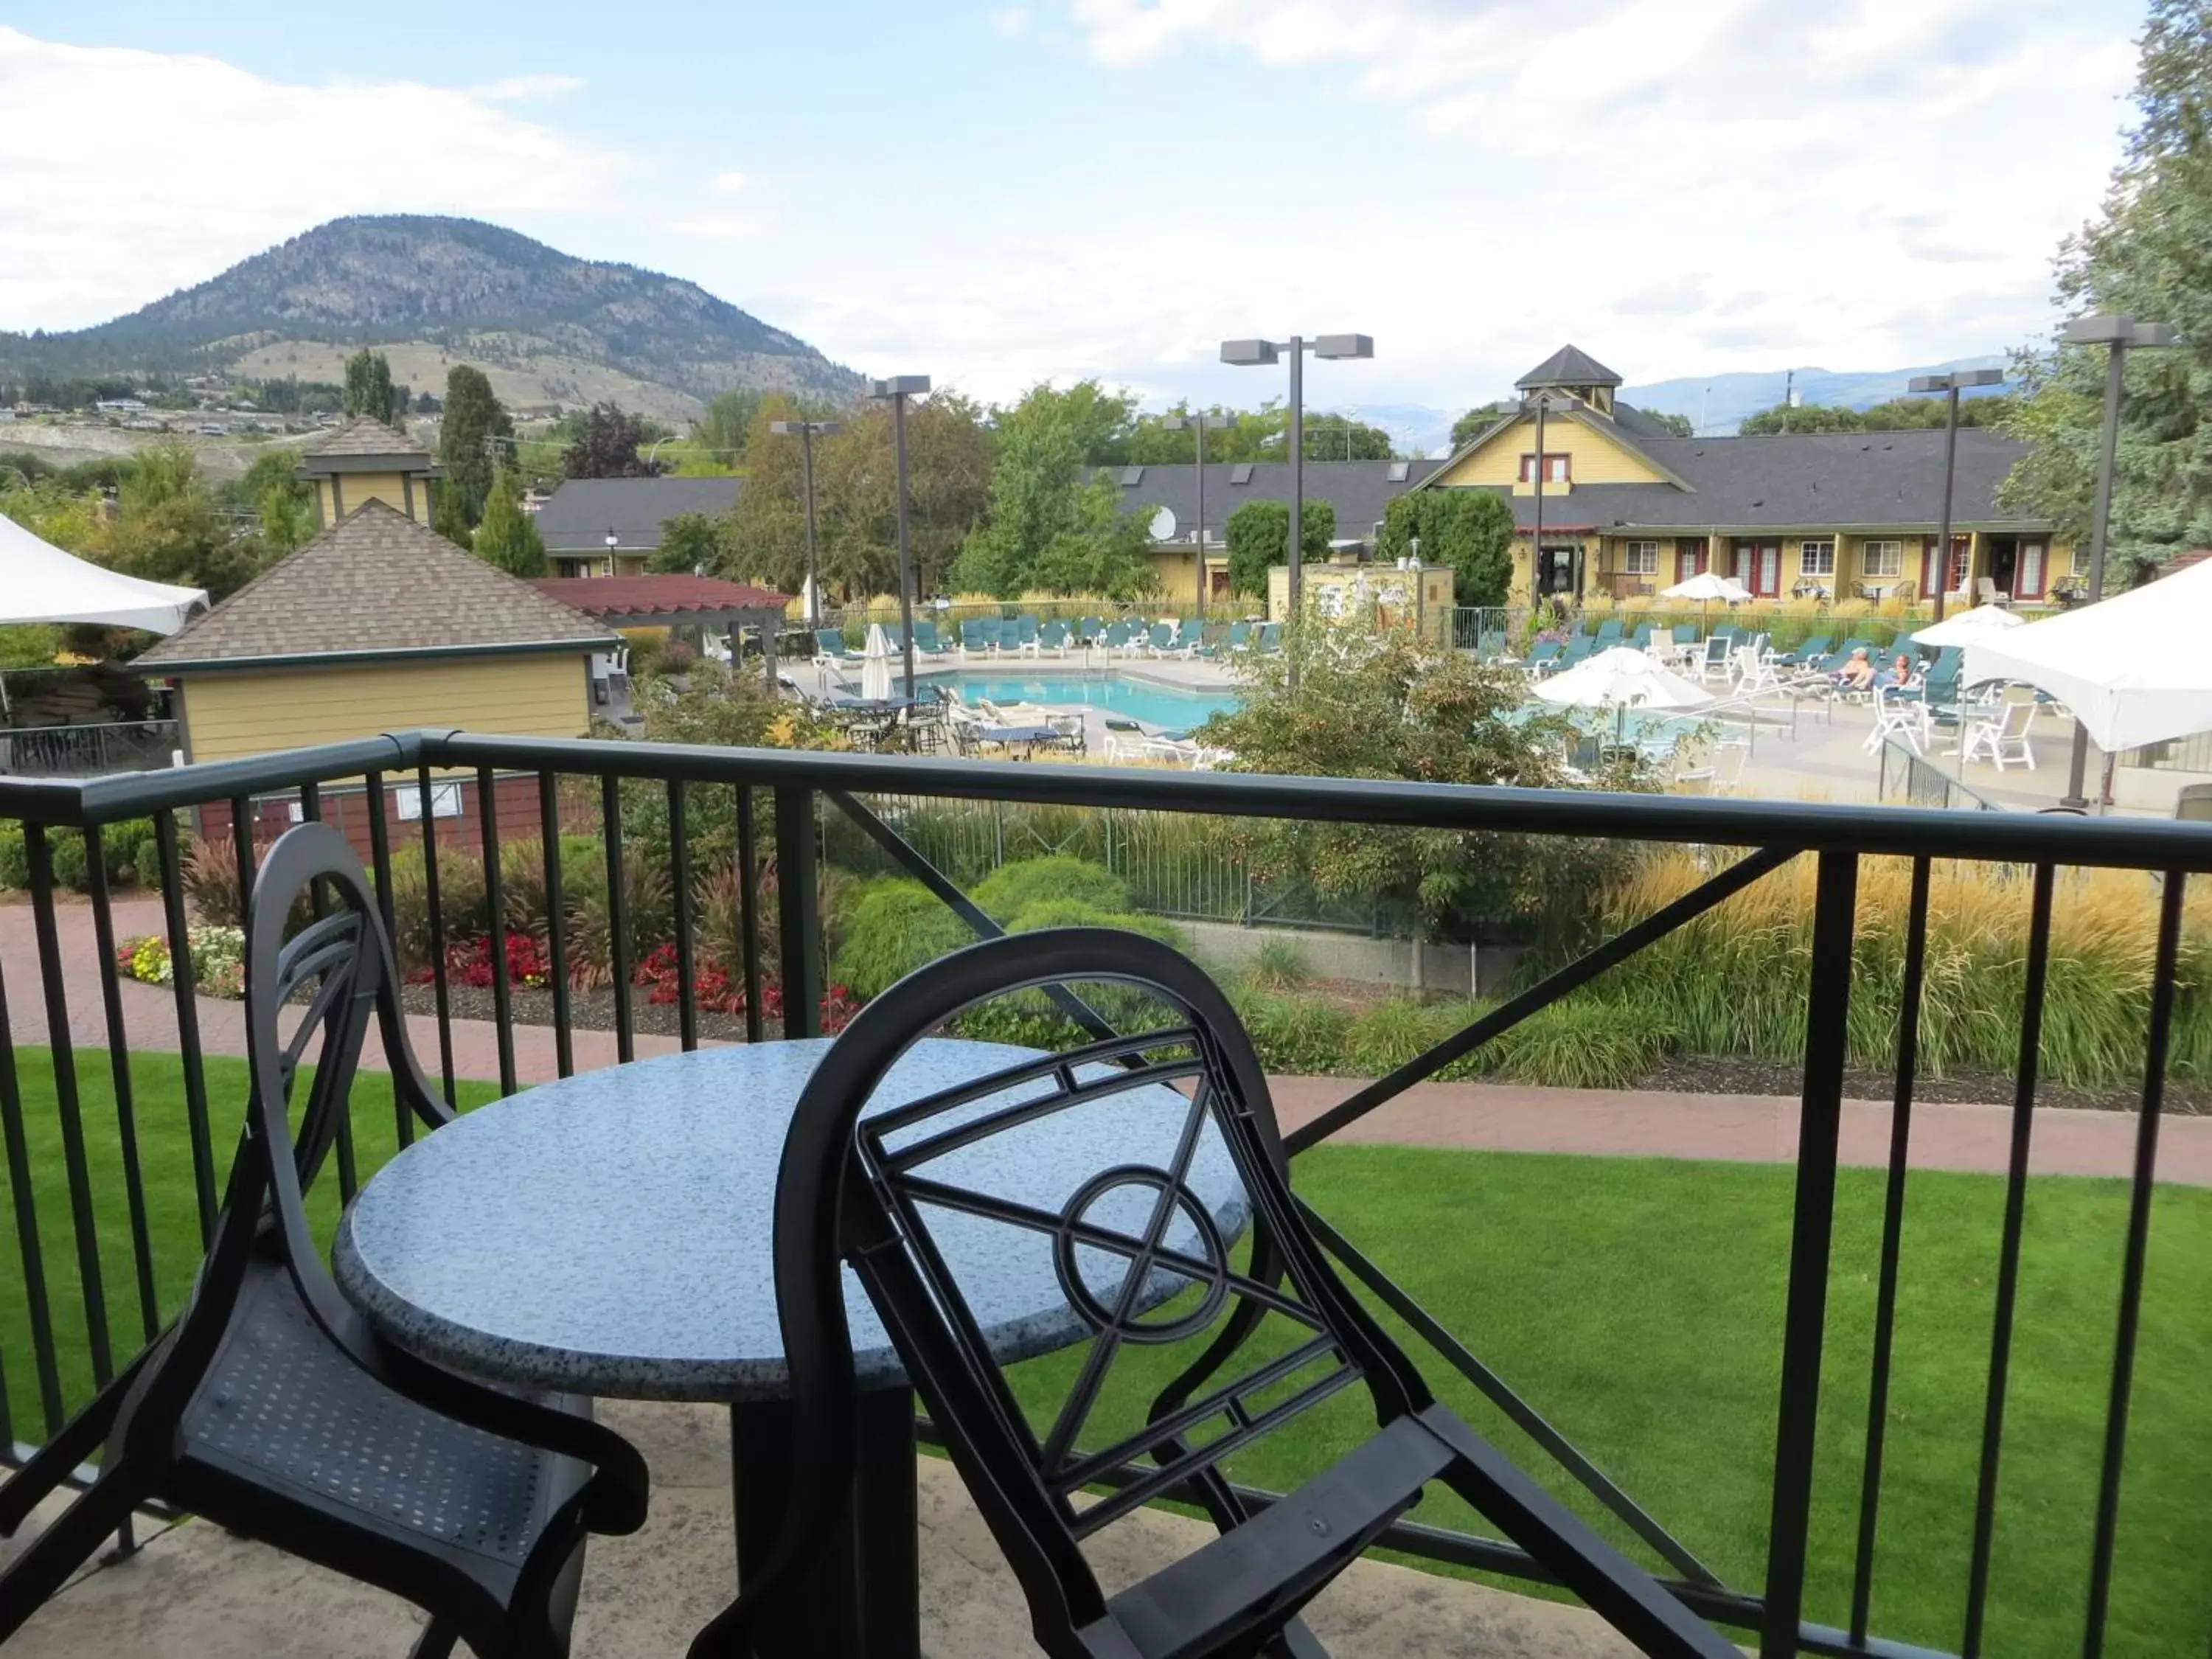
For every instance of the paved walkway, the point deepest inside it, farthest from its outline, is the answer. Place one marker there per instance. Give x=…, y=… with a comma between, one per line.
x=1497, y=1117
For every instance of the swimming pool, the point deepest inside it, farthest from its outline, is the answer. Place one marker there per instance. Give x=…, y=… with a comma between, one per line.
x=1145, y=701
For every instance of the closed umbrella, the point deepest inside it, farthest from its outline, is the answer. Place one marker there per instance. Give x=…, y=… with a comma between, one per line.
x=875, y=665
x=1983, y=622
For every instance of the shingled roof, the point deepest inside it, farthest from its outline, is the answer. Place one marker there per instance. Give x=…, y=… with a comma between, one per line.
x=1568, y=366
x=376, y=585
x=363, y=436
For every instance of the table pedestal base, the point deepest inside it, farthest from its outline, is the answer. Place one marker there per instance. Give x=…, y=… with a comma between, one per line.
x=863, y=1601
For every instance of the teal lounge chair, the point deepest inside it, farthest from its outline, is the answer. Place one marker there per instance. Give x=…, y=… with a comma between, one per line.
x=1161, y=641
x=1608, y=631
x=926, y=640
x=1053, y=637
x=1119, y=634
x=1239, y=635
x=978, y=637
x=1269, y=640
x=1089, y=630
x=1641, y=639
x=1489, y=648
x=1020, y=635
x=1811, y=653
x=830, y=647
x=1544, y=656
x=1578, y=648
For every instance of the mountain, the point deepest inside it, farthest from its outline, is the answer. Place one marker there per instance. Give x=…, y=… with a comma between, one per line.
x=439, y=290
x=1717, y=403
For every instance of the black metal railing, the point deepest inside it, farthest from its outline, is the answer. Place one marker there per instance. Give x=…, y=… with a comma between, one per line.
x=761, y=813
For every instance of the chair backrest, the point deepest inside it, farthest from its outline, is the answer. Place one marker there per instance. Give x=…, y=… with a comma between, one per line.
x=1163, y=636
x=340, y=964
x=1815, y=647
x=1609, y=628
x=925, y=635
x=1053, y=633
x=829, y=641
x=1270, y=636
x=907, y=1194
x=1544, y=651
x=1239, y=632
x=1717, y=647
x=1025, y=628
x=1088, y=629
x=1642, y=637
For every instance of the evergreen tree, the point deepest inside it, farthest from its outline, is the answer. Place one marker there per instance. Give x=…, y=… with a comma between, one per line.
x=1469, y=530
x=509, y=537
x=1259, y=534
x=2143, y=256
x=475, y=422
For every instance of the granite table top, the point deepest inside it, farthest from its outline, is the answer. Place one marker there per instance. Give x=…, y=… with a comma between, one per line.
x=609, y=1234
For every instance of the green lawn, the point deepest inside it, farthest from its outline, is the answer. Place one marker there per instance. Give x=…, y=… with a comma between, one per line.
x=1638, y=1303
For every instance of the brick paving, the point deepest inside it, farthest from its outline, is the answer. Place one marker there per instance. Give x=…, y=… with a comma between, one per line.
x=1496, y=1117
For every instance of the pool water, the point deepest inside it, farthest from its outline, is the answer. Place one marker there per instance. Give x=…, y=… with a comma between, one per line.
x=1143, y=701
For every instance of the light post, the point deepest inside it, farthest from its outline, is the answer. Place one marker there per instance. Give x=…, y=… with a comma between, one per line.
x=1198, y=426
x=2116, y=335
x=896, y=391
x=1254, y=353
x=613, y=542
x=1950, y=385
x=808, y=431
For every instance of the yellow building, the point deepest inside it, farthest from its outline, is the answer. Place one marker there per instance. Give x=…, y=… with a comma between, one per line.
x=377, y=624
x=1611, y=501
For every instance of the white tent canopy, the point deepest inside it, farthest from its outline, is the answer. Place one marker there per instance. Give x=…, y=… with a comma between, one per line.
x=39, y=583
x=2135, y=668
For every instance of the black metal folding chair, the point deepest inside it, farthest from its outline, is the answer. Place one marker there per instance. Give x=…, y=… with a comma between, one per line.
x=270, y=1407
x=874, y=1193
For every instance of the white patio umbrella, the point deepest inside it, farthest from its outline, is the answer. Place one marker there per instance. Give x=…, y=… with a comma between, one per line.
x=1983, y=622
x=1708, y=585
x=1704, y=587
x=2135, y=669
x=875, y=665
x=39, y=583
x=1620, y=678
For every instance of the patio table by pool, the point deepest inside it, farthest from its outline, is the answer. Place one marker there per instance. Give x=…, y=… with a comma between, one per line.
x=612, y=1235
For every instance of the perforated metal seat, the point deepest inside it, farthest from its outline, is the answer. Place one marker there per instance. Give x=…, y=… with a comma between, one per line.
x=271, y=1408
x=283, y=1407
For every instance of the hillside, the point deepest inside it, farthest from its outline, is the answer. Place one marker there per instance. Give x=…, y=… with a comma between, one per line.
x=555, y=328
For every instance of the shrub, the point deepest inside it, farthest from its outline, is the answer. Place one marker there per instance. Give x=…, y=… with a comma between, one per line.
x=210, y=880
x=1578, y=1045
x=146, y=862
x=1388, y=1034
x=648, y=909
x=15, y=859
x=1014, y=887
x=1277, y=965
x=463, y=910
x=70, y=870
x=895, y=926
x=1293, y=1034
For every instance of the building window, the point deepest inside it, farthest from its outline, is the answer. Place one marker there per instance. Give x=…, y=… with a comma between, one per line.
x=1816, y=558
x=1640, y=558
x=1884, y=559
x=1555, y=468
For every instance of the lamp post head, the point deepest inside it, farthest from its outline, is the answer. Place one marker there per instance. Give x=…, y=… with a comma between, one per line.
x=1344, y=345
x=1250, y=354
x=817, y=429
x=899, y=385
x=1959, y=380
x=613, y=540
x=2114, y=330
x=1199, y=423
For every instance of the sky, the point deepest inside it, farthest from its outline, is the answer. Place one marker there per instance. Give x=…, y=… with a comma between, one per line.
x=999, y=193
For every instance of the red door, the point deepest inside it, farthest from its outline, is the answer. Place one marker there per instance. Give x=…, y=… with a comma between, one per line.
x=1758, y=567
x=2030, y=570
x=1689, y=557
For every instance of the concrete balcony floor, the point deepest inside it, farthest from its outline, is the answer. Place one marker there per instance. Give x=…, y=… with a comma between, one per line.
x=195, y=1590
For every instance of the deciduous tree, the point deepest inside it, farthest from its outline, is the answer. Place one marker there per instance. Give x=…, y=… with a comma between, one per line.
x=2143, y=256
x=1469, y=530
x=1046, y=529
x=606, y=446
x=1258, y=535
x=688, y=542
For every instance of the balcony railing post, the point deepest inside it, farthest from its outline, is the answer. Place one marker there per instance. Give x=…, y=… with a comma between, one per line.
x=1828, y=1030
x=801, y=928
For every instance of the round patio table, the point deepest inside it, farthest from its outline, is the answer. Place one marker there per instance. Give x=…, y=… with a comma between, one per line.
x=611, y=1234
x=1026, y=737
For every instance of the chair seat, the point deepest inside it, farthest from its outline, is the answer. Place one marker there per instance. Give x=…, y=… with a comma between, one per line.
x=283, y=1406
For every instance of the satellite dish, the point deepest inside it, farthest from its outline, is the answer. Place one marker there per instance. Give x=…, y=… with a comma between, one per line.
x=1163, y=525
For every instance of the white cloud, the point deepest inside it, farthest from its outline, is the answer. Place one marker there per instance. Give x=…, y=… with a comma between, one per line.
x=1012, y=21
x=726, y=184
x=1865, y=182
x=517, y=88
x=191, y=164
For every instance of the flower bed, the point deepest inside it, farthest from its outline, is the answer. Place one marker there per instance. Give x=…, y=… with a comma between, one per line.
x=218, y=960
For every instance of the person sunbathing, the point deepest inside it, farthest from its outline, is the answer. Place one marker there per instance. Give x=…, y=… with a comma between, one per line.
x=1900, y=674
x=1858, y=674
